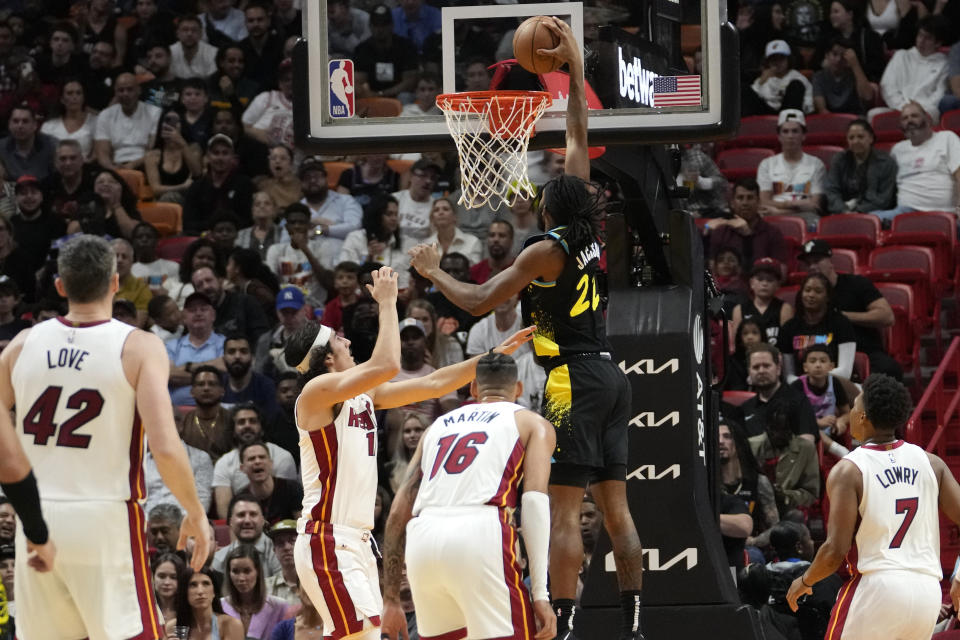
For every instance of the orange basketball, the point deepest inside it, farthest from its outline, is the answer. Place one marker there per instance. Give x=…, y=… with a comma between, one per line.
x=531, y=36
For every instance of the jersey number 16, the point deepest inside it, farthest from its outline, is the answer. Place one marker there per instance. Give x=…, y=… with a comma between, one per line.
x=458, y=456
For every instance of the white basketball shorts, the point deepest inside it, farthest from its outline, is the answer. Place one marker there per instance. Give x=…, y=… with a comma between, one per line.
x=893, y=605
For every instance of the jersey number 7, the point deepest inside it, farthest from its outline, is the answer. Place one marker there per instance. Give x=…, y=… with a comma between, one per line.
x=908, y=506
x=458, y=456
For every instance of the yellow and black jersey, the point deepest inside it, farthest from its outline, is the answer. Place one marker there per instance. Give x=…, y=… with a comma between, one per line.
x=567, y=311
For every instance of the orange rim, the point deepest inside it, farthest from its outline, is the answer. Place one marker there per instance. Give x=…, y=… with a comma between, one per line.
x=470, y=98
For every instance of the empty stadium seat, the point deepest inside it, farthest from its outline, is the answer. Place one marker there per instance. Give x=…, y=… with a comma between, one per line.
x=934, y=229
x=861, y=367
x=166, y=217
x=825, y=152
x=739, y=163
x=886, y=126
x=857, y=231
x=378, y=107
x=951, y=120
x=902, y=340
x=756, y=131
x=334, y=169
x=914, y=266
x=173, y=248
x=828, y=128
x=788, y=294
x=737, y=398
x=134, y=179
x=790, y=226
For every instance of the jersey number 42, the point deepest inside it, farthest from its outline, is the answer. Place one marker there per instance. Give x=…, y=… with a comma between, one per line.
x=39, y=423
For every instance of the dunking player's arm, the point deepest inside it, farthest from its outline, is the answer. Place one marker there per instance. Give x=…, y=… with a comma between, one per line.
x=16, y=475
x=541, y=260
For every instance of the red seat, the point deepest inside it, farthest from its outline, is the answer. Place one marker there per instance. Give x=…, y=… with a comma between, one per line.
x=173, y=248
x=741, y=162
x=824, y=151
x=221, y=533
x=914, y=266
x=844, y=261
x=886, y=126
x=757, y=131
x=788, y=294
x=861, y=367
x=828, y=128
x=902, y=340
x=737, y=398
x=886, y=147
x=951, y=120
x=857, y=231
x=790, y=226
x=934, y=229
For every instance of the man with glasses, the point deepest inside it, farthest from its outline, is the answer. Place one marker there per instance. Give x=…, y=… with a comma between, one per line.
x=414, y=203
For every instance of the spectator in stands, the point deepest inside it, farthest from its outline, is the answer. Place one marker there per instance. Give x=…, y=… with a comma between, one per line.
x=746, y=230
x=75, y=121
x=817, y=321
x=14, y=263
x=385, y=64
x=197, y=115
x=415, y=20
x=741, y=477
x=860, y=302
x=827, y=396
x=100, y=75
x=171, y=168
x=292, y=313
x=413, y=364
x=163, y=527
x=151, y=26
x=379, y=239
x=207, y=426
x=476, y=75
x=120, y=203
x=285, y=584
x=223, y=23
x=8, y=199
x=442, y=348
x=237, y=312
x=415, y=202
x=763, y=363
x=864, y=42
x=200, y=346
x=346, y=284
x=246, y=522
x=951, y=99
x=190, y=56
x=221, y=187
x=224, y=229
x=200, y=463
x=125, y=130
x=166, y=571
x=448, y=236
x=125, y=311
x=264, y=232
x=199, y=253
x=591, y=521
x=862, y=178
x=304, y=260
x=412, y=426
x=10, y=58
x=228, y=87
x=245, y=570
x=499, y=252
x=283, y=184
x=347, y=27
x=895, y=21
x=728, y=273
x=779, y=87
x=841, y=86
x=791, y=182
x=60, y=61
x=287, y=19
x=758, y=24
x=333, y=214
x=707, y=186
x=70, y=179
x=788, y=459
x=452, y=318
x=262, y=47
x=245, y=423
x=425, y=100
x=749, y=331
x=165, y=320
x=198, y=605
x=928, y=166
x=131, y=288
x=247, y=273
x=10, y=323
x=917, y=74
x=8, y=521
x=269, y=118
x=26, y=151
x=524, y=220
x=764, y=305
x=281, y=428
x=369, y=178
x=241, y=383
x=164, y=90
x=154, y=271
x=34, y=227
x=279, y=498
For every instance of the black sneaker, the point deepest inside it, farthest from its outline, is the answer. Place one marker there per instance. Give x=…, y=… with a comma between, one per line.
x=637, y=635
x=566, y=635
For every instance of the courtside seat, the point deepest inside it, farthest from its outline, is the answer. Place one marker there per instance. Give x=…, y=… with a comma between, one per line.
x=739, y=163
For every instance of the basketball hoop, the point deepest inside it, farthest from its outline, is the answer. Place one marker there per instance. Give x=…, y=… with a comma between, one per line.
x=492, y=130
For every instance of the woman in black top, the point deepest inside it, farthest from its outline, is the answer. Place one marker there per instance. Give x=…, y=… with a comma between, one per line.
x=861, y=178
x=844, y=22
x=370, y=177
x=172, y=166
x=818, y=322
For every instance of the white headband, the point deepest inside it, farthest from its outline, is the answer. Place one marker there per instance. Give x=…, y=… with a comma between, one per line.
x=323, y=338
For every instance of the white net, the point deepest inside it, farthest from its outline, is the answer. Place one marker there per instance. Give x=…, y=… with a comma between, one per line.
x=492, y=130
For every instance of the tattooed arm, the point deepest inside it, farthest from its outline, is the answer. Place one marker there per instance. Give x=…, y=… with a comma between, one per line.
x=394, y=621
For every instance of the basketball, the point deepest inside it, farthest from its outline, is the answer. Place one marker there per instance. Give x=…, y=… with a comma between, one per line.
x=531, y=36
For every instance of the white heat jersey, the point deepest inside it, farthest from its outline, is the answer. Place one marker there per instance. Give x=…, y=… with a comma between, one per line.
x=899, y=517
x=338, y=465
x=472, y=456
x=76, y=412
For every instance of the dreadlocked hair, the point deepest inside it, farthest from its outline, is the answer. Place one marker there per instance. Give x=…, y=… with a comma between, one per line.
x=577, y=204
x=299, y=344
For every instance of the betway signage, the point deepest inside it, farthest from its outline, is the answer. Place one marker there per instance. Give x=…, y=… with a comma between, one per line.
x=636, y=83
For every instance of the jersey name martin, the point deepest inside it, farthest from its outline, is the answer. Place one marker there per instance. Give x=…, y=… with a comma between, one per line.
x=590, y=253
x=895, y=475
x=474, y=416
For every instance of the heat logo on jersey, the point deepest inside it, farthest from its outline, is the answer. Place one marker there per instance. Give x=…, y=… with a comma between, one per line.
x=341, y=89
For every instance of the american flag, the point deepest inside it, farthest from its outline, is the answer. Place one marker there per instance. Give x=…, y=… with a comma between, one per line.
x=676, y=91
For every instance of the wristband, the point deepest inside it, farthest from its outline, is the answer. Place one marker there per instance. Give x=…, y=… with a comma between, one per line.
x=804, y=583
x=25, y=498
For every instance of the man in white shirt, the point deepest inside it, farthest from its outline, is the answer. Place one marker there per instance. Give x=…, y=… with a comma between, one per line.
x=415, y=202
x=778, y=87
x=791, y=182
x=928, y=166
x=919, y=73
x=125, y=130
x=148, y=267
x=348, y=27
x=225, y=18
x=157, y=491
x=190, y=57
x=307, y=260
x=333, y=214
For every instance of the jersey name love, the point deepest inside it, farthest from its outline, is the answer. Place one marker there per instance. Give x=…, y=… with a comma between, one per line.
x=68, y=357
x=895, y=475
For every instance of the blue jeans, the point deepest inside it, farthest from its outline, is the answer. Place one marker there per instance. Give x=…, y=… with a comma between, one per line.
x=890, y=214
x=948, y=102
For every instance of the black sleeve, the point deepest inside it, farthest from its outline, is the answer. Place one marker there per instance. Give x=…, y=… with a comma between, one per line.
x=867, y=292
x=732, y=505
x=840, y=392
x=806, y=418
x=843, y=329
x=785, y=337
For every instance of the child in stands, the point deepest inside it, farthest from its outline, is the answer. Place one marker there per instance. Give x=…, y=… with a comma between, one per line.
x=828, y=397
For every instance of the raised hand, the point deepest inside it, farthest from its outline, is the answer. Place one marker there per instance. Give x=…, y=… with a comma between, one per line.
x=384, y=287
x=425, y=259
x=569, y=49
x=517, y=340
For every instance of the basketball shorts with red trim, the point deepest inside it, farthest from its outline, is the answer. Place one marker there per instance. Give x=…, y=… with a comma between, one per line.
x=338, y=570
x=893, y=605
x=464, y=576
x=99, y=587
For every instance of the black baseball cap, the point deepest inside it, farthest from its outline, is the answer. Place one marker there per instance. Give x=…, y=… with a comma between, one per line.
x=815, y=249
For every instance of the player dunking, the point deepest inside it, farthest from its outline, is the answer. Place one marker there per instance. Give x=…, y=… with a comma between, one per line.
x=883, y=501
x=338, y=454
x=462, y=484
x=586, y=397
x=87, y=389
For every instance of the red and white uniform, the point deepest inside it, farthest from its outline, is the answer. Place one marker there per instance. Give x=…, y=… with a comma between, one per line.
x=77, y=421
x=894, y=591
x=333, y=554
x=461, y=546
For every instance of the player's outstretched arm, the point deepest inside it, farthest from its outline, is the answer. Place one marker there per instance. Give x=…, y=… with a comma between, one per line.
x=950, y=505
x=145, y=361
x=539, y=260
x=577, y=161
x=394, y=621
x=16, y=474
x=444, y=380
x=844, y=487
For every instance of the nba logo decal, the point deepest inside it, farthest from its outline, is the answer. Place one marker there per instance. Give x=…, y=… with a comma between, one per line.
x=341, y=88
